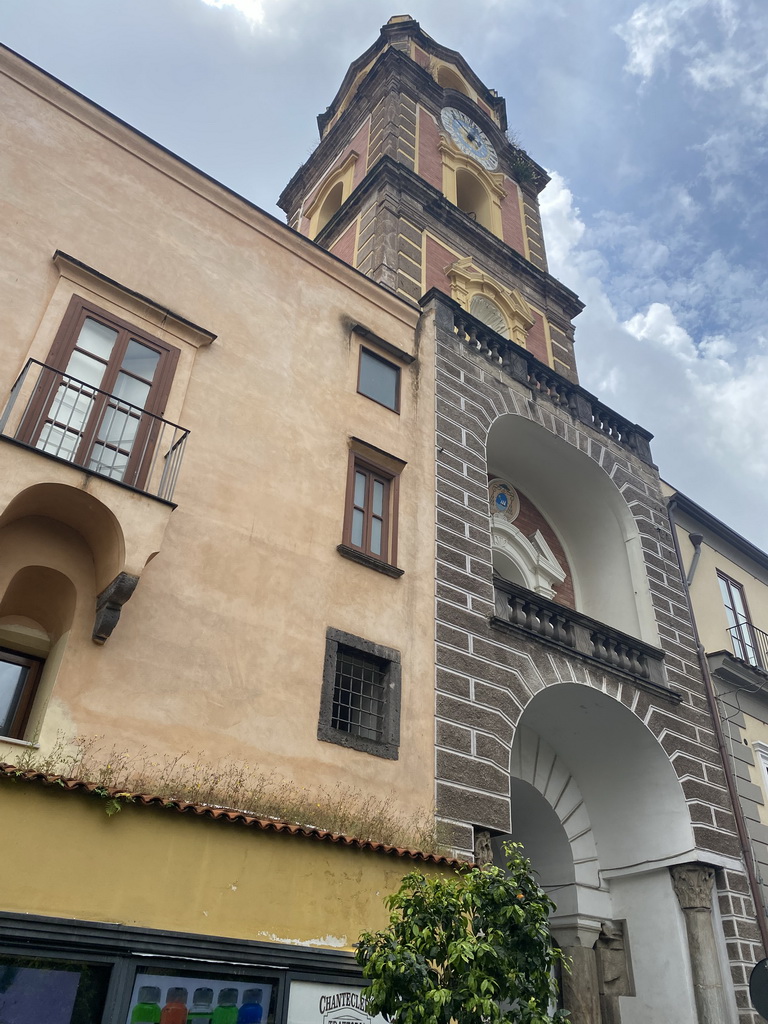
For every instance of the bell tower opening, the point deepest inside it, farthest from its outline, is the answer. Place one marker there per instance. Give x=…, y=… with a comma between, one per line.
x=472, y=198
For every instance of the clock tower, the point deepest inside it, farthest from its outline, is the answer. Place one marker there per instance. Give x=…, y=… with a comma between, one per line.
x=416, y=183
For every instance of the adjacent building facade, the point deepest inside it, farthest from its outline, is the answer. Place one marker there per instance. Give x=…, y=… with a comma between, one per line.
x=727, y=577
x=329, y=499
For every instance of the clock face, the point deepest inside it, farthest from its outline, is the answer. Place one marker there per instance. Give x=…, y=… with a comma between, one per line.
x=470, y=139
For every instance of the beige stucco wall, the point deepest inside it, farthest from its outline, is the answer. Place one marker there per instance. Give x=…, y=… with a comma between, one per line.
x=149, y=867
x=221, y=647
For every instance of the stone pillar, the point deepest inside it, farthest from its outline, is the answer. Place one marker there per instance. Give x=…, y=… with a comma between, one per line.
x=693, y=887
x=581, y=995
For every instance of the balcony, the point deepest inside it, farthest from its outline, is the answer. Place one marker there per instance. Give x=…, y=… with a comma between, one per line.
x=71, y=421
x=523, y=610
x=750, y=645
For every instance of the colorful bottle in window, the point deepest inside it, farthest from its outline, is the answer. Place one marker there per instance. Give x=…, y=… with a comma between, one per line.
x=147, y=1010
x=202, y=1006
x=226, y=1011
x=175, y=1009
x=251, y=1011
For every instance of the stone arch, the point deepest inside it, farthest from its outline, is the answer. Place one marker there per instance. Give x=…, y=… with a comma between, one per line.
x=449, y=78
x=331, y=195
x=331, y=203
x=601, y=813
x=504, y=310
x=588, y=513
x=533, y=562
x=472, y=198
x=490, y=313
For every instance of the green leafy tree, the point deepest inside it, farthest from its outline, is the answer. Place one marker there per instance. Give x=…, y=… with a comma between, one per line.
x=474, y=948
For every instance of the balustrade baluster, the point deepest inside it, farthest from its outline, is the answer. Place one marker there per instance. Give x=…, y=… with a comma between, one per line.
x=622, y=655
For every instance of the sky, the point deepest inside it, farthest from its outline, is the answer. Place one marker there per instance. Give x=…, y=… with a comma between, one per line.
x=650, y=118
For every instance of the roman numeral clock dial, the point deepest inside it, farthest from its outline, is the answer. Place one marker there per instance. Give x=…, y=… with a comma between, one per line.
x=469, y=137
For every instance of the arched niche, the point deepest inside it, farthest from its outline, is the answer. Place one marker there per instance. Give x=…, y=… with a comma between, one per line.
x=487, y=310
x=448, y=78
x=473, y=199
x=330, y=205
x=588, y=514
x=37, y=609
x=79, y=512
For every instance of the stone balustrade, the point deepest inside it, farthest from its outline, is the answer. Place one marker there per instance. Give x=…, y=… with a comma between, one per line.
x=545, y=382
x=595, y=641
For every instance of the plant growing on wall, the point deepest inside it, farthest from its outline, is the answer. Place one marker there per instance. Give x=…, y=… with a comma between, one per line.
x=474, y=948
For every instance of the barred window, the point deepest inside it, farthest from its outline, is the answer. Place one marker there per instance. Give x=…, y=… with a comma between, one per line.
x=360, y=704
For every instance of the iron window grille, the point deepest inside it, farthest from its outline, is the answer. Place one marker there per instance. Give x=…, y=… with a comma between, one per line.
x=360, y=702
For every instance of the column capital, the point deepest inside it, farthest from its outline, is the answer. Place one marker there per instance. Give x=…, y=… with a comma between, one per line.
x=693, y=885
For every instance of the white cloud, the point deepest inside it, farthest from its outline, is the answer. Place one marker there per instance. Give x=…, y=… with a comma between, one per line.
x=253, y=10
x=659, y=327
x=702, y=398
x=653, y=31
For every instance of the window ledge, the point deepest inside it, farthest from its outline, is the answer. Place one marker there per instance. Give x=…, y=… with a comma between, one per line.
x=19, y=743
x=373, y=563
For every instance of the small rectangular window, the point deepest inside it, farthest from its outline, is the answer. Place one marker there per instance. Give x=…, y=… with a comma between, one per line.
x=379, y=379
x=370, y=519
x=19, y=676
x=360, y=704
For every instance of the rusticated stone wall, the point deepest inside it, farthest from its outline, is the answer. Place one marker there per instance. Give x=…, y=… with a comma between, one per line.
x=484, y=680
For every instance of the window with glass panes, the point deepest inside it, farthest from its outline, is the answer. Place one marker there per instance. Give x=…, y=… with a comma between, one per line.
x=19, y=676
x=379, y=379
x=100, y=396
x=739, y=625
x=368, y=513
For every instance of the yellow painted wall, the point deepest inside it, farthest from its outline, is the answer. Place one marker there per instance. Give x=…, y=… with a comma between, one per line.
x=220, y=650
x=148, y=867
x=707, y=600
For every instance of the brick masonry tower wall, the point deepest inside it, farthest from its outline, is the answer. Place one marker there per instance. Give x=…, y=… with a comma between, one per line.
x=485, y=678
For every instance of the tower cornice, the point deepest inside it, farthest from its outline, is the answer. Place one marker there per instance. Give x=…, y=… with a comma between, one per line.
x=426, y=207
x=395, y=71
x=396, y=33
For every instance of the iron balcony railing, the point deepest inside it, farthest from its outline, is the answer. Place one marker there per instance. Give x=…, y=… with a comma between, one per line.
x=750, y=644
x=73, y=421
x=528, y=611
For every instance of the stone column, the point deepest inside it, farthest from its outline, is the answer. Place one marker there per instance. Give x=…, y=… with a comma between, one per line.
x=693, y=887
x=581, y=995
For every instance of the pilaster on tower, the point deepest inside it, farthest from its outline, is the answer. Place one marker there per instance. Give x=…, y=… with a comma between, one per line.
x=416, y=183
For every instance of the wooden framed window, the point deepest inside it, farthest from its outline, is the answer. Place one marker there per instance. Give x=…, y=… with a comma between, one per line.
x=739, y=624
x=99, y=398
x=370, y=517
x=19, y=678
x=379, y=380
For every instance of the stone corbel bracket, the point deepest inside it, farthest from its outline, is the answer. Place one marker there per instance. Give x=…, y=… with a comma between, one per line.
x=110, y=603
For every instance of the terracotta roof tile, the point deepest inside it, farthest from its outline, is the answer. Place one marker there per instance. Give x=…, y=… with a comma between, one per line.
x=222, y=814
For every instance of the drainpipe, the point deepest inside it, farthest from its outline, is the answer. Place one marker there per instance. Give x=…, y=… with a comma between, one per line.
x=730, y=778
x=695, y=539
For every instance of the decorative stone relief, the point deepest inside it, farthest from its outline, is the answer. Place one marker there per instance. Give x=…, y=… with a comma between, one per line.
x=693, y=885
x=614, y=970
x=483, y=851
x=533, y=557
x=110, y=603
x=504, y=499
